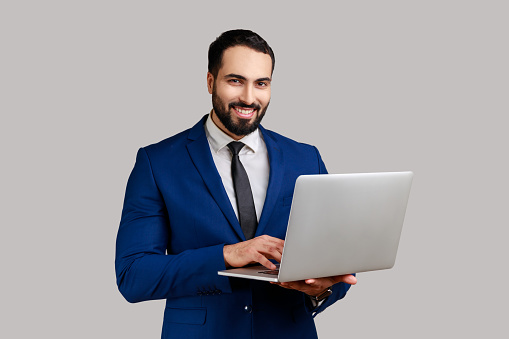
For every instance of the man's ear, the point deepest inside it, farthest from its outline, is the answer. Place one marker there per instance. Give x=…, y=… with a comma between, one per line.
x=210, y=82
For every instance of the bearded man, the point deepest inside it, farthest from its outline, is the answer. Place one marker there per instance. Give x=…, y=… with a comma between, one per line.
x=215, y=196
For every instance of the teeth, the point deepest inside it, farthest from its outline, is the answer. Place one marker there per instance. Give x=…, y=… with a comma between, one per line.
x=245, y=111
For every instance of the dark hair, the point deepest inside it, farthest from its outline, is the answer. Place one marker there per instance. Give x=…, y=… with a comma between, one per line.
x=236, y=37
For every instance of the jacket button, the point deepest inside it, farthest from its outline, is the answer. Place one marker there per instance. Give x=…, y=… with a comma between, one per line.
x=248, y=309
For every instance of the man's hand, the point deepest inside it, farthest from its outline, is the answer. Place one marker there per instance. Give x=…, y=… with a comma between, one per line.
x=315, y=287
x=256, y=250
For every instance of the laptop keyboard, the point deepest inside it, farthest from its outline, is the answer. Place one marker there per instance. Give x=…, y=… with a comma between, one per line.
x=272, y=272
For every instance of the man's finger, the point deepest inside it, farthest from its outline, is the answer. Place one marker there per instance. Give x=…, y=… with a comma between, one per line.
x=347, y=278
x=273, y=253
x=260, y=258
x=266, y=263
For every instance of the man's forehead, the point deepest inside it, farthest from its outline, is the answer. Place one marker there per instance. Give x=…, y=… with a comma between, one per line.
x=247, y=62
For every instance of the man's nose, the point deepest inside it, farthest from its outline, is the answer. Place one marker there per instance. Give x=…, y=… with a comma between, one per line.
x=247, y=96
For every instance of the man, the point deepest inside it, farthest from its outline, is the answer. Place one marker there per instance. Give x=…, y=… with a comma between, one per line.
x=198, y=202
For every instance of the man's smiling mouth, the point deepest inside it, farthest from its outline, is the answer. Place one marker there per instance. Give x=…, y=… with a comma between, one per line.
x=244, y=112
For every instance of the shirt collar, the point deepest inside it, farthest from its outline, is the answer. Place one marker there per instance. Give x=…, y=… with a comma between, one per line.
x=219, y=139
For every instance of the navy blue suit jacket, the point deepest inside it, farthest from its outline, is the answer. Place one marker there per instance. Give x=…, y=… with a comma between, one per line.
x=175, y=221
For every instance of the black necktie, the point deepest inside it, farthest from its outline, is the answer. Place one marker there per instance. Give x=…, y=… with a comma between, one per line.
x=245, y=203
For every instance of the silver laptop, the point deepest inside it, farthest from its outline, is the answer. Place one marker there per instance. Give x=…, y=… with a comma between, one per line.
x=339, y=224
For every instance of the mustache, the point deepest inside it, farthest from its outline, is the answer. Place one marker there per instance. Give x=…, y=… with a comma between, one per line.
x=243, y=105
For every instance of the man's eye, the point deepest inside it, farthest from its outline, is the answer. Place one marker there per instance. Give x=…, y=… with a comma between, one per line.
x=235, y=81
x=262, y=84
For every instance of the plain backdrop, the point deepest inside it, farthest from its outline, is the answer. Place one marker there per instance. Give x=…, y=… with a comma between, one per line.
x=375, y=85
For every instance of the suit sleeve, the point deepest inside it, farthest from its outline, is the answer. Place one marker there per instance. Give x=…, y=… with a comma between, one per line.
x=144, y=271
x=338, y=290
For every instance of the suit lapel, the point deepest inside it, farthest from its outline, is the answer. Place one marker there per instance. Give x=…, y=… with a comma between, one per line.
x=199, y=151
x=277, y=169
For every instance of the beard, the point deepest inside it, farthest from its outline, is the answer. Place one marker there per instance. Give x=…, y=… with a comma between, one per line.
x=240, y=127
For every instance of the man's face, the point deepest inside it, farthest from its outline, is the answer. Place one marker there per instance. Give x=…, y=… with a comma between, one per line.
x=241, y=90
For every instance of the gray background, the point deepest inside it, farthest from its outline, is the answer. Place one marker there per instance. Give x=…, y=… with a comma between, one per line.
x=375, y=85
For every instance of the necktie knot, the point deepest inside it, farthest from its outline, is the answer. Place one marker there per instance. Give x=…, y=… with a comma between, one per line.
x=235, y=147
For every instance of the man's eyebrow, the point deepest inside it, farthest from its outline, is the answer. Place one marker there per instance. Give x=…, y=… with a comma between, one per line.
x=238, y=76
x=232, y=75
x=264, y=79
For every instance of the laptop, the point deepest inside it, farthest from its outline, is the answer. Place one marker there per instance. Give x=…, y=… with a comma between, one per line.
x=339, y=224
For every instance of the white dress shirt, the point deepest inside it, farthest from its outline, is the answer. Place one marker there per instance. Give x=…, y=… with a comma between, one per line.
x=254, y=158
